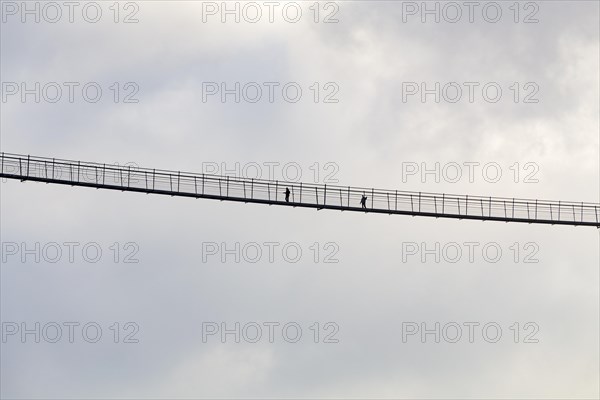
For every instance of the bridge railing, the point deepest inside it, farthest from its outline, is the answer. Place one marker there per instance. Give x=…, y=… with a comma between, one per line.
x=319, y=195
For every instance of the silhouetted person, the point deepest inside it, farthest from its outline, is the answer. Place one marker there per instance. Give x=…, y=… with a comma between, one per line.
x=287, y=194
x=363, y=201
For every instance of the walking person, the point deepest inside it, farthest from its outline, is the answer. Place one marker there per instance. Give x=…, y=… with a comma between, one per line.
x=363, y=201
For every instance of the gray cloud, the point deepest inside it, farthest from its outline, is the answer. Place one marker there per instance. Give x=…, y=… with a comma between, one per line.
x=369, y=134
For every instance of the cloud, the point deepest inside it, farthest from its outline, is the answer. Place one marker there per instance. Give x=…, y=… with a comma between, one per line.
x=368, y=135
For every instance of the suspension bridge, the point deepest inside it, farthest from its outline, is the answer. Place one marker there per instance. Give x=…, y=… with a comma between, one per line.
x=318, y=196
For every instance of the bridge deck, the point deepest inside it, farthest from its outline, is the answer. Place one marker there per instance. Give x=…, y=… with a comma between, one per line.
x=346, y=198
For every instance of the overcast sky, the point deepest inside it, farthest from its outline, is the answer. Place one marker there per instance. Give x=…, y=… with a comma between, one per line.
x=368, y=62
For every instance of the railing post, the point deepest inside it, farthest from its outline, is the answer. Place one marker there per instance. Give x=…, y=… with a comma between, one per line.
x=120, y=174
x=388, y=199
x=2, y=162
x=412, y=208
x=419, y=201
x=244, y=185
x=178, y=180
x=227, y=185
x=341, y=200
x=348, y=196
x=513, y=208
x=490, y=207
x=443, y=202
x=536, y=208
x=196, y=186
x=78, y=169
x=27, y=165
x=300, y=192
x=128, y=175
x=559, y=210
x=396, y=202
x=252, y=188
x=276, y=189
x=317, y=195
x=582, y=211
x=372, y=197
x=153, y=178
x=220, y=192
x=325, y=195
x=104, y=173
x=202, y=184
